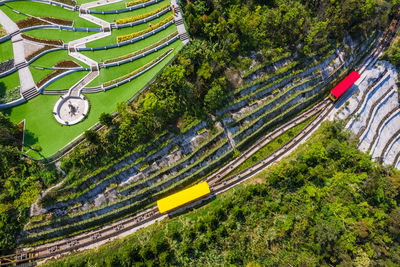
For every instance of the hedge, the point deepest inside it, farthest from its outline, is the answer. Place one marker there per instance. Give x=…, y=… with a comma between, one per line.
x=142, y=16
x=126, y=37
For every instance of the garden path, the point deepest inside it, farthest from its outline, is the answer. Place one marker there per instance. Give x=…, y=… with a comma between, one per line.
x=27, y=85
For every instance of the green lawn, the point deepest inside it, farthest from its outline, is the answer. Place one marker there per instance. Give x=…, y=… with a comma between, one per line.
x=55, y=34
x=114, y=6
x=114, y=17
x=102, y=55
x=12, y=15
x=6, y=51
x=80, y=2
x=68, y=81
x=112, y=39
x=52, y=58
x=10, y=81
x=39, y=74
x=116, y=72
x=43, y=129
x=45, y=10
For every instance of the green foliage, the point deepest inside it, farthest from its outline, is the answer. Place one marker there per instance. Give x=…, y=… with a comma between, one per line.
x=20, y=182
x=326, y=205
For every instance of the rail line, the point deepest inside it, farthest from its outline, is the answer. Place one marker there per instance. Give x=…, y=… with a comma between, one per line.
x=217, y=180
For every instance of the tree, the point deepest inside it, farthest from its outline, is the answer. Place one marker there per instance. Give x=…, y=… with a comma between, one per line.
x=106, y=119
x=91, y=137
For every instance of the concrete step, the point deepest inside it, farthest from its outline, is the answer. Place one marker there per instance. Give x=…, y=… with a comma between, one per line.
x=179, y=22
x=31, y=93
x=21, y=65
x=184, y=36
x=15, y=33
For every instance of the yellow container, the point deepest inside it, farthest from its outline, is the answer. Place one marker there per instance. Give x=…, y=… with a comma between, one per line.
x=185, y=196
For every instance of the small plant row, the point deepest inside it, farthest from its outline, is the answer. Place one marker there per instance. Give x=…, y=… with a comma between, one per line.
x=245, y=127
x=66, y=64
x=141, y=51
x=142, y=68
x=164, y=144
x=214, y=139
x=49, y=77
x=268, y=64
x=69, y=225
x=30, y=22
x=372, y=109
x=176, y=166
x=136, y=2
x=127, y=37
x=381, y=123
x=142, y=16
x=44, y=41
x=41, y=50
x=59, y=21
x=278, y=97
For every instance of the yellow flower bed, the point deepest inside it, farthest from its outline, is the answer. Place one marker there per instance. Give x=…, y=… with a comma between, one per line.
x=141, y=51
x=126, y=76
x=136, y=2
x=129, y=36
x=142, y=16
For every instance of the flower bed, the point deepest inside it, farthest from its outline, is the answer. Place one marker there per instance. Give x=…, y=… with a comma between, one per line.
x=67, y=64
x=34, y=39
x=126, y=76
x=59, y=21
x=166, y=39
x=48, y=77
x=136, y=2
x=142, y=16
x=29, y=22
x=47, y=47
x=2, y=32
x=126, y=37
x=67, y=2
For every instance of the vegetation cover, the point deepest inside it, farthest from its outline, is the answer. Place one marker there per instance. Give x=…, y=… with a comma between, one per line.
x=326, y=205
x=20, y=183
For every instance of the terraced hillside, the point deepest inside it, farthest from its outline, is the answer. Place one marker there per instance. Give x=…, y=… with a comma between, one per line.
x=374, y=113
x=102, y=52
x=133, y=183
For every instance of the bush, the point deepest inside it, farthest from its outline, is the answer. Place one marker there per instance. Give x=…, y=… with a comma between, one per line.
x=142, y=16
x=136, y=2
x=126, y=37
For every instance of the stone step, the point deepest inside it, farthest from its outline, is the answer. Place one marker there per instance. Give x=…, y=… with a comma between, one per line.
x=31, y=93
x=21, y=65
x=184, y=36
x=179, y=22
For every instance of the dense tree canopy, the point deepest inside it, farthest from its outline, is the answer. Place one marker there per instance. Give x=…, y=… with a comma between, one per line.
x=328, y=205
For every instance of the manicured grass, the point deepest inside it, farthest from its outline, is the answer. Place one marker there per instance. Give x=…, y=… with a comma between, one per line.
x=39, y=74
x=80, y=2
x=52, y=58
x=68, y=81
x=114, y=17
x=271, y=147
x=55, y=34
x=116, y=72
x=112, y=39
x=43, y=129
x=45, y=10
x=6, y=51
x=12, y=15
x=103, y=55
x=114, y=6
x=10, y=81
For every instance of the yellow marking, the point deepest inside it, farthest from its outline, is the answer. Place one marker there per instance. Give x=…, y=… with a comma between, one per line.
x=332, y=97
x=178, y=199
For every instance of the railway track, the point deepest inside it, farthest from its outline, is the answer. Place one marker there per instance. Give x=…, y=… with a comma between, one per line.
x=217, y=181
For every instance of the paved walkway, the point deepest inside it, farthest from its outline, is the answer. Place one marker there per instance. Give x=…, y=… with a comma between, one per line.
x=25, y=76
x=181, y=27
x=99, y=3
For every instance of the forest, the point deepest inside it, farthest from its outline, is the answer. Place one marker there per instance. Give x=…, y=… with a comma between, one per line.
x=225, y=34
x=327, y=204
